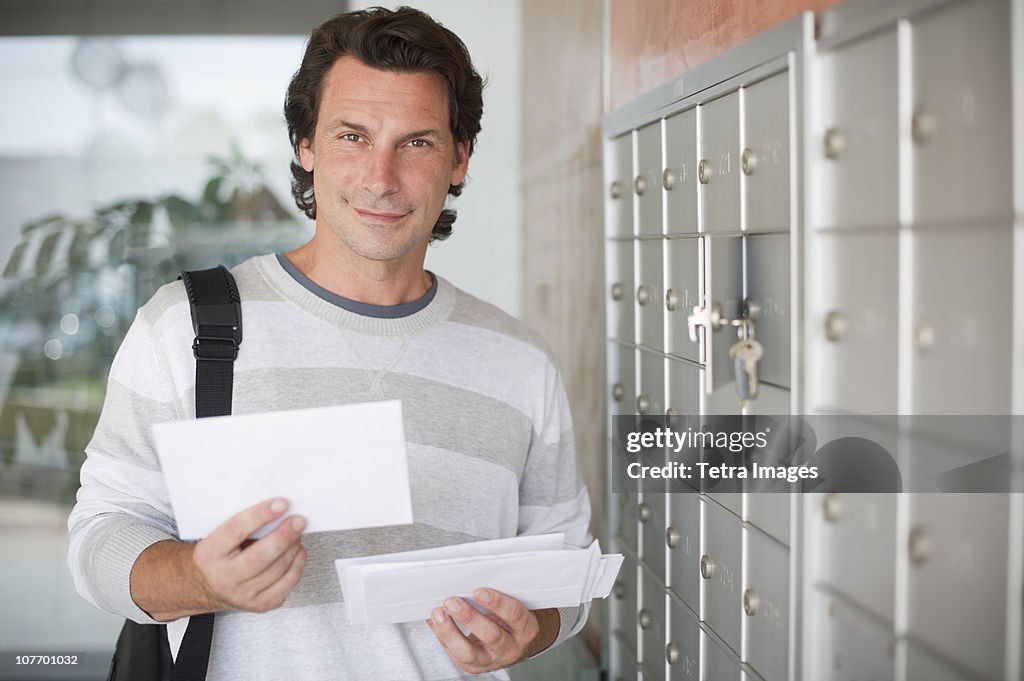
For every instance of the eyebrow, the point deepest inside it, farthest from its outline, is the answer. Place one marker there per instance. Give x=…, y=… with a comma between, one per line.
x=425, y=132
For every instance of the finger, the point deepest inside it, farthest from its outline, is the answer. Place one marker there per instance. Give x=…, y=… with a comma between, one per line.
x=488, y=632
x=511, y=612
x=275, y=594
x=274, y=571
x=255, y=559
x=463, y=651
x=239, y=527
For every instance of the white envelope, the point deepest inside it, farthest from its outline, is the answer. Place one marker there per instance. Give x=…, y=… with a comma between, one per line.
x=339, y=467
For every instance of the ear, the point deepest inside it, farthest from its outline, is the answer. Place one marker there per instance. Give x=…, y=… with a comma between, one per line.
x=461, y=167
x=306, y=154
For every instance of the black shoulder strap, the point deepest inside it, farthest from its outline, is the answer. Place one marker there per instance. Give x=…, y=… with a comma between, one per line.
x=217, y=321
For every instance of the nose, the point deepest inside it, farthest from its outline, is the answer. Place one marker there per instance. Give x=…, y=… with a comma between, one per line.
x=380, y=177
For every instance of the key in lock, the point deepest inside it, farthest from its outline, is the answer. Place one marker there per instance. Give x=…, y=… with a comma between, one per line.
x=745, y=354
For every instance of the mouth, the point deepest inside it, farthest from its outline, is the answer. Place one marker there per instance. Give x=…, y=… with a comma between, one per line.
x=380, y=217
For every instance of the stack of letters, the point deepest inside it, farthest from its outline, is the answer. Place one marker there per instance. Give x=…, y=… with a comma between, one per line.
x=537, y=570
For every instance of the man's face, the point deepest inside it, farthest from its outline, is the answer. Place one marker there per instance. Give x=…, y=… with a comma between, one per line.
x=383, y=157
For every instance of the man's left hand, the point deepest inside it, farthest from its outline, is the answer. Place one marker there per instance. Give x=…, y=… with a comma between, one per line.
x=508, y=634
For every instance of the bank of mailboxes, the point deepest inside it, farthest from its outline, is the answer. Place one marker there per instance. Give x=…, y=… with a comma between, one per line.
x=912, y=219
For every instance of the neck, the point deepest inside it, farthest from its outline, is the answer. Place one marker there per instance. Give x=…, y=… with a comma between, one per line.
x=359, y=279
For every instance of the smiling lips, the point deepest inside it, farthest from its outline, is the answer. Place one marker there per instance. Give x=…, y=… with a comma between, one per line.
x=379, y=216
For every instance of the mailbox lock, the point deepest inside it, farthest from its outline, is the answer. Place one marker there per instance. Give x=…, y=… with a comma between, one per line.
x=645, y=619
x=707, y=566
x=671, y=300
x=640, y=185
x=919, y=545
x=750, y=602
x=643, y=294
x=671, y=653
x=835, y=326
x=619, y=590
x=835, y=143
x=668, y=179
x=924, y=337
x=671, y=537
x=831, y=506
x=748, y=161
x=616, y=291
x=704, y=171
x=642, y=404
x=671, y=412
x=645, y=512
x=618, y=392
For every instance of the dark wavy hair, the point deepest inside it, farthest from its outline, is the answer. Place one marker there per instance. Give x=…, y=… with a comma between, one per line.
x=405, y=39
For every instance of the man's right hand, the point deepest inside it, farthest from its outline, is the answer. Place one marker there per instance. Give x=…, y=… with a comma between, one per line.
x=225, y=570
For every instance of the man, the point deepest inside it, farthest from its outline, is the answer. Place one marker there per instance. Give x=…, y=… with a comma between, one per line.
x=382, y=115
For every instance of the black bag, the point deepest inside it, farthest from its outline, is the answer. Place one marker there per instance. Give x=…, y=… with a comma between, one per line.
x=143, y=652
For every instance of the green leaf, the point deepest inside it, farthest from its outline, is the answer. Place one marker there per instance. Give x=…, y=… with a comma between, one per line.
x=40, y=421
x=180, y=212
x=42, y=222
x=44, y=259
x=14, y=263
x=141, y=224
x=117, y=244
x=81, y=425
x=211, y=192
x=78, y=252
x=8, y=432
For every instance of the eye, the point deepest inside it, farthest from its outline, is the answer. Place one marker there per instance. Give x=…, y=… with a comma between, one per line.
x=350, y=137
x=419, y=143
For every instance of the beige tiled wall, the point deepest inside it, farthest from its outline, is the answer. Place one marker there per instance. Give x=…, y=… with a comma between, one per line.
x=562, y=214
x=655, y=40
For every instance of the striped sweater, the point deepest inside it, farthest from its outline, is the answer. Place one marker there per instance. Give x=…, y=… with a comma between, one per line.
x=489, y=442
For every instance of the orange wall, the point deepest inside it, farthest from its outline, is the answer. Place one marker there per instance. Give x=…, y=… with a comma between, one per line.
x=653, y=41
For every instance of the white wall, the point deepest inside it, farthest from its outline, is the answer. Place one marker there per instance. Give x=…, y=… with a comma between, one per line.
x=483, y=254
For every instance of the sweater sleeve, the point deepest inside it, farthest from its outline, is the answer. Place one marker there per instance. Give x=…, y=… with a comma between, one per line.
x=552, y=495
x=122, y=505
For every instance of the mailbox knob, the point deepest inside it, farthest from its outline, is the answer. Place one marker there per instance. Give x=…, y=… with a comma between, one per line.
x=617, y=291
x=835, y=326
x=750, y=602
x=748, y=161
x=669, y=179
x=645, y=619
x=671, y=537
x=835, y=143
x=643, y=294
x=645, y=512
x=707, y=566
x=640, y=185
x=924, y=337
x=618, y=392
x=831, y=507
x=671, y=300
x=671, y=653
x=615, y=191
x=704, y=171
x=919, y=545
x=619, y=590
x=922, y=125
x=642, y=404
